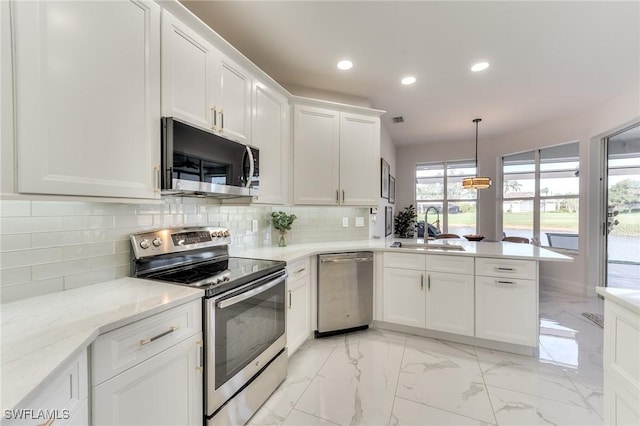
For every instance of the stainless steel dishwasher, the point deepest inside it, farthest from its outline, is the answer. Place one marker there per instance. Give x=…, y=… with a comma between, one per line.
x=345, y=292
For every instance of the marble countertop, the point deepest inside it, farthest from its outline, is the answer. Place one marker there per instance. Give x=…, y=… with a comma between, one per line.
x=477, y=249
x=624, y=297
x=41, y=334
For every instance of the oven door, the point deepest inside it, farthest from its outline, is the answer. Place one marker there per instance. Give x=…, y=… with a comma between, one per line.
x=245, y=329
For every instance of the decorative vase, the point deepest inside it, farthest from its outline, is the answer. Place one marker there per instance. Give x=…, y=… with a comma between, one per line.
x=283, y=239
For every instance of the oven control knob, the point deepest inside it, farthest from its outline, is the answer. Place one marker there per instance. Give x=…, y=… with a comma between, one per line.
x=144, y=244
x=157, y=242
x=225, y=278
x=220, y=233
x=226, y=233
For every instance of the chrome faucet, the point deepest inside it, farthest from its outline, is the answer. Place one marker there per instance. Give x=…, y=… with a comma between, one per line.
x=426, y=215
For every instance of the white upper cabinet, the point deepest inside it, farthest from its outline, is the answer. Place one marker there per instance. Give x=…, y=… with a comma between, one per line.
x=316, y=155
x=359, y=159
x=336, y=156
x=202, y=86
x=232, y=100
x=270, y=130
x=188, y=63
x=87, y=106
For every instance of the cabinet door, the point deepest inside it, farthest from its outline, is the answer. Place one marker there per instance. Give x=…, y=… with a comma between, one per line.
x=507, y=310
x=88, y=97
x=450, y=303
x=166, y=389
x=188, y=71
x=232, y=98
x=316, y=146
x=298, y=313
x=270, y=126
x=404, y=297
x=359, y=160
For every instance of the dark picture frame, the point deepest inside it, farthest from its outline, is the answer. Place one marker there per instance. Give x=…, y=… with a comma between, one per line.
x=384, y=178
x=388, y=221
x=392, y=189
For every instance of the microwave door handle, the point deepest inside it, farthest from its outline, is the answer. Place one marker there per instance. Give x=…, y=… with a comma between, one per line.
x=251, y=166
x=251, y=293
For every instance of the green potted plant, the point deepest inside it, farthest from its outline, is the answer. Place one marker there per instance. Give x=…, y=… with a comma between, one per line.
x=405, y=222
x=282, y=222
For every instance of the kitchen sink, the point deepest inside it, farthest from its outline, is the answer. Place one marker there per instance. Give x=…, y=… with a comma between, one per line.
x=433, y=246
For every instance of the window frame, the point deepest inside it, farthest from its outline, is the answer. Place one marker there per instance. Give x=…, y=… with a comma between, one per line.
x=537, y=198
x=446, y=201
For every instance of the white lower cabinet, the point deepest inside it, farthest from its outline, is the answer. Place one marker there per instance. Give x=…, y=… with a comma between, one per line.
x=450, y=303
x=507, y=310
x=298, y=305
x=418, y=294
x=404, y=297
x=150, y=372
x=165, y=389
x=64, y=401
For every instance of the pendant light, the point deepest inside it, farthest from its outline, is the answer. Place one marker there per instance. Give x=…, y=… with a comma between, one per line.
x=476, y=182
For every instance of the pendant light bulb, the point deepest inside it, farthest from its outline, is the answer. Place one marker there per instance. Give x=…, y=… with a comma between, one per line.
x=476, y=182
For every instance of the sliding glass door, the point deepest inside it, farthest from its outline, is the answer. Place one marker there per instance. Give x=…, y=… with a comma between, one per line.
x=623, y=209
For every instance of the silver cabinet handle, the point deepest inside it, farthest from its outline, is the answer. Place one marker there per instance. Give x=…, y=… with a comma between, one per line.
x=251, y=293
x=429, y=282
x=147, y=341
x=221, y=120
x=343, y=195
x=289, y=300
x=504, y=269
x=300, y=270
x=214, y=118
x=421, y=281
x=157, y=178
x=337, y=196
x=505, y=282
x=199, y=344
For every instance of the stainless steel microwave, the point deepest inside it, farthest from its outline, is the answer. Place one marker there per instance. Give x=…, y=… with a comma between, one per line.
x=198, y=162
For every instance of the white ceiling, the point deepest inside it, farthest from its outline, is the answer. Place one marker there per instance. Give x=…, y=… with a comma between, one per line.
x=548, y=59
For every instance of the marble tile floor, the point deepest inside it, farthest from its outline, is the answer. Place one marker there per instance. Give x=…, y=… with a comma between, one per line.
x=377, y=377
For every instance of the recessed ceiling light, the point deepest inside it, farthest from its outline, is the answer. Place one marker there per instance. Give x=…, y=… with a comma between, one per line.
x=345, y=65
x=480, y=66
x=408, y=80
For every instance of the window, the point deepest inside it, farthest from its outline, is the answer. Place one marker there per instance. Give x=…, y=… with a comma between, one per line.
x=439, y=190
x=540, y=195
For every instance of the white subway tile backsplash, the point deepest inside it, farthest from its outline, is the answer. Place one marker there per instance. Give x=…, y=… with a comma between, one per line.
x=19, y=225
x=64, y=245
x=60, y=269
x=13, y=259
x=13, y=276
x=15, y=242
x=88, y=250
x=15, y=208
x=30, y=289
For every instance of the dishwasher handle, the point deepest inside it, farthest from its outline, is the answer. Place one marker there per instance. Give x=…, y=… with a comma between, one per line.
x=348, y=260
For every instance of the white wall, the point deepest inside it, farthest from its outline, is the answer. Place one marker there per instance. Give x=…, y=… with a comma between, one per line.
x=587, y=128
x=388, y=152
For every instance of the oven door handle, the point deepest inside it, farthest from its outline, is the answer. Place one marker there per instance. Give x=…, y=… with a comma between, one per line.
x=251, y=293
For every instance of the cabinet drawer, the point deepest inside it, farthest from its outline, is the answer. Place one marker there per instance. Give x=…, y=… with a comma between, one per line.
x=67, y=391
x=298, y=269
x=450, y=264
x=490, y=267
x=120, y=349
x=404, y=261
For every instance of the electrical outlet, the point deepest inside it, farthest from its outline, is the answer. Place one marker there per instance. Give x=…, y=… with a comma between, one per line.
x=345, y=222
x=254, y=225
x=360, y=222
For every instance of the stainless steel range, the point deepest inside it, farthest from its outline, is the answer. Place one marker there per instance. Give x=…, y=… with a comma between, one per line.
x=243, y=314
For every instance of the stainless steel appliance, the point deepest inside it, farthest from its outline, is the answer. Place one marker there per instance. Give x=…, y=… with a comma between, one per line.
x=345, y=292
x=243, y=314
x=196, y=161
